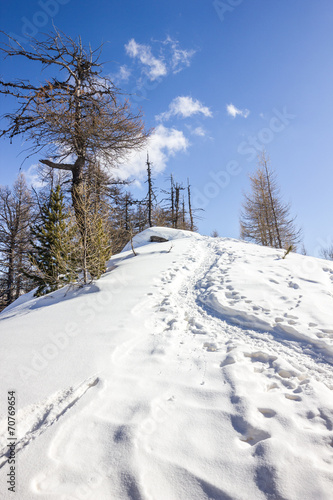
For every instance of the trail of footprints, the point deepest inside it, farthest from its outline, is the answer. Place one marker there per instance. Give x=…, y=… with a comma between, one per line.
x=285, y=381
x=329, y=271
x=220, y=282
x=288, y=382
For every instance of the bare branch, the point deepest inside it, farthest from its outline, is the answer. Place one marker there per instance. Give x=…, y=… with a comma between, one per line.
x=60, y=166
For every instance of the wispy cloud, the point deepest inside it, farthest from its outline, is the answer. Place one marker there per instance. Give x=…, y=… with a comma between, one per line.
x=154, y=67
x=185, y=107
x=233, y=111
x=123, y=74
x=171, y=57
x=199, y=131
x=33, y=177
x=163, y=144
x=180, y=58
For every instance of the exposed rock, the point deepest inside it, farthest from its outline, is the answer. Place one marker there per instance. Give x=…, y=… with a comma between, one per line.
x=157, y=239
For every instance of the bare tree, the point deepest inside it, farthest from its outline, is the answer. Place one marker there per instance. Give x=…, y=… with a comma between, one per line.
x=95, y=247
x=177, y=210
x=265, y=219
x=327, y=253
x=16, y=216
x=75, y=117
x=150, y=195
x=190, y=205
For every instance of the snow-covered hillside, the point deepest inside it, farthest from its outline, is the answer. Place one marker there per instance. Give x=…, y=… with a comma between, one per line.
x=199, y=369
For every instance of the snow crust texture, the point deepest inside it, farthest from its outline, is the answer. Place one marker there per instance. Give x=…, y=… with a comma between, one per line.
x=200, y=372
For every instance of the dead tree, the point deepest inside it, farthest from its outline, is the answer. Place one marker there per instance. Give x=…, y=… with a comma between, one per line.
x=178, y=188
x=150, y=194
x=190, y=205
x=16, y=217
x=172, y=197
x=75, y=117
x=183, y=213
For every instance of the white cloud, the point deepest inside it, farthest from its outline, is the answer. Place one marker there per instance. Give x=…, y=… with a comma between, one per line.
x=233, y=111
x=180, y=58
x=199, y=131
x=33, y=177
x=171, y=57
x=123, y=74
x=155, y=68
x=185, y=107
x=162, y=144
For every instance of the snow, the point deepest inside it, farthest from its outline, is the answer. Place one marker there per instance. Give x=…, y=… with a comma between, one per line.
x=199, y=369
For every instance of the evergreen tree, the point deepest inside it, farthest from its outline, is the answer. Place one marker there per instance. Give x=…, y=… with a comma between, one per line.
x=53, y=256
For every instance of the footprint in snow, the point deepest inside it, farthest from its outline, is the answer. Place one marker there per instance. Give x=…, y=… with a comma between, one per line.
x=260, y=356
x=210, y=347
x=293, y=397
x=229, y=360
x=250, y=435
x=267, y=412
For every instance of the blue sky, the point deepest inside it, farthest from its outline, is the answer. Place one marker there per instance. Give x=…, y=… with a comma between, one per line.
x=218, y=81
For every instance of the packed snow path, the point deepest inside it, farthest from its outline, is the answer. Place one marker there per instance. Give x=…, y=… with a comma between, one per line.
x=208, y=376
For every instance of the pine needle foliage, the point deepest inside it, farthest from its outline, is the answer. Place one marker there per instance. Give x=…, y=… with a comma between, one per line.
x=53, y=258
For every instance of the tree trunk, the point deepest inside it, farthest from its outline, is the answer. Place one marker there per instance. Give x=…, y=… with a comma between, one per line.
x=10, y=275
x=189, y=205
x=272, y=205
x=172, y=194
x=150, y=193
x=77, y=194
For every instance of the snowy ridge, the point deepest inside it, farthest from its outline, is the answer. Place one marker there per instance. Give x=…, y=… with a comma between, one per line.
x=169, y=234
x=203, y=392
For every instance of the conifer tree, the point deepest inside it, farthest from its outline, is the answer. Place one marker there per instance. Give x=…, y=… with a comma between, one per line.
x=53, y=256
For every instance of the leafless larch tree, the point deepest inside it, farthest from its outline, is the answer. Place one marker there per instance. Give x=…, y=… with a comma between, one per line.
x=76, y=117
x=265, y=218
